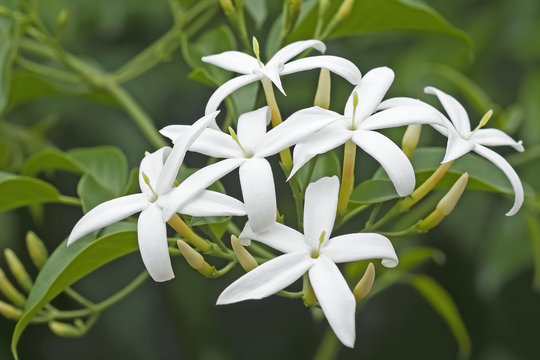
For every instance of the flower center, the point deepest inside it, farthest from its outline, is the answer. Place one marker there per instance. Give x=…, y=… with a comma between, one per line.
x=315, y=253
x=355, y=104
x=482, y=123
x=147, y=181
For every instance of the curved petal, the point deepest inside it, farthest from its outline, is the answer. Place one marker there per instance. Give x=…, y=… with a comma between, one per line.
x=402, y=116
x=338, y=65
x=456, y=146
x=510, y=173
x=151, y=165
x=108, y=213
x=258, y=190
x=336, y=299
x=152, y=235
x=399, y=101
x=233, y=61
x=228, y=88
x=277, y=236
x=454, y=109
x=214, y=143
x=288, y=52
x=213, y=203
x=326, y=139
x=273, y=74
x=320, y=209
x=267, y=279
x=392, y=159
x=371, y=90
x=168, y=173
x=361, y=246
x=194, y=184
x=297, y=127
x=252, y=127
x=495, y=137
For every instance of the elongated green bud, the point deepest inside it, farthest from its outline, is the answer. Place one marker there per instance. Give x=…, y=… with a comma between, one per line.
x=362, y=289
x=344, y=9
x=9, y=311
x=322, y=96
x=246, y=260
x=17, y=269
x=227, y=6
x=446, y=205
x=36, y=249
x=62, y=18
x=410, y=139
x=194, y=259
x=65, y=330
x=10, y=292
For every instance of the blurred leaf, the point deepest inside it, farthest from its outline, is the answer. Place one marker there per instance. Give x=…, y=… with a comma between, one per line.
x=443, y=304
x=373, y=191
x=132, y=185
x=69, y=264
x=10, y=32
x=20, y=191
x=533, y=224
x=217, y=225
x=92, y=193
x=257, y=10
x=418, y=255
x=528, y=97
x=244, y=98
x=50, y=159
x=326, y=164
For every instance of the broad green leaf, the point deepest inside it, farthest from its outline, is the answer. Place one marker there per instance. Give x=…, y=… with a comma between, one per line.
x=244, y=99
x=374, y=191
x=418, y=255
x=69, y=264
x=92, y=193
x=20, y=191
x=216, y=225
x=443, y=304
x=50, y=159
x=10, y=32
x=257, y=9
x=326, y=164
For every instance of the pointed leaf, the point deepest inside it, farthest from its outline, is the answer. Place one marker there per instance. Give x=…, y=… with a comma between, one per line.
x=20, y=191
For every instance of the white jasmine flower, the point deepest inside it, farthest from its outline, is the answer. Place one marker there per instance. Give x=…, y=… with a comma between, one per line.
x=358, y=124
x=314, y=252
x=157, y=174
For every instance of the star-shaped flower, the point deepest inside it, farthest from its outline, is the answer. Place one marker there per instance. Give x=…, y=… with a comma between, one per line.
x=157, y=174
x=247, y=151
x=358, y=124
x=314, y=252
x=253, y=69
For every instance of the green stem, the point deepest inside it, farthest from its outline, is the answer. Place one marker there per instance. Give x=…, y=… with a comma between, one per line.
x=68, y=200
x=225, y=269
x=47, y=71
x=123, y=293
x=79, y=298
x=290, y=294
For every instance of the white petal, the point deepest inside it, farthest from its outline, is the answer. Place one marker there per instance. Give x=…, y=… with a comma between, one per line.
x=320, y=209
x=151, y=165
x=336, y=299
x=233, y=61
x=402, y=116
x=168, y=174
x=296, y=48
x=267, y=279
x=502, y=164
x=454, y=109
x=456, y=146
x=273, y=74
x=277, y=236
x=228, y=88
x=360, y=246
x=326, y=139
x=258, y=190
x=495, y=137
x=391, y=158
x=298, y=126
x=252, y=127
x=343, y=67
x=214, y=143
x=213, y=203
x=108, y=213
x=194, y=184
x=371, y=90
x=152, y=234
x=399, y=101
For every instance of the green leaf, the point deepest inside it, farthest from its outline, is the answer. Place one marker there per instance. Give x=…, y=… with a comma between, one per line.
x=50, y=159
x=92, y=193
x=418, y=255
x=20, y=191
x=69, y=264
x=442, y=303
x=327, y=164
x=216, y=225
x=257, y=9
x=10, y=32
x=373, y=191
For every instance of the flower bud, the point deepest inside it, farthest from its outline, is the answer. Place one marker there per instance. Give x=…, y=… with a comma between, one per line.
x=36, y=249
x=362, y=289
x=65, y=330
x=227, y=6
x=344, y=9
x=194, y=259
x=245, y=259
x=322, y=96
x=446, y=205
x=62, y=18
x=18, y=270
x=9, y=311
x=410, y=139
x=10, y=292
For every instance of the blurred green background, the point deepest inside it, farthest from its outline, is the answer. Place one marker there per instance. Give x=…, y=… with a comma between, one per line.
x=489, y=267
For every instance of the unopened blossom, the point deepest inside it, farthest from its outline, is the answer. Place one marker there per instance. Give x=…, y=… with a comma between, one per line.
x=246, y=150
x=359, y=122
x=157, y=174
x=316, y=253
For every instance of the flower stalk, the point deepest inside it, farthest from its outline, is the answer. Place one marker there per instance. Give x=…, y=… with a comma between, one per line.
x=185, y=231
x=347, y=177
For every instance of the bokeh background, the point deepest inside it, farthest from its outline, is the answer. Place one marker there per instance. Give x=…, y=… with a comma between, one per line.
x=489, y=268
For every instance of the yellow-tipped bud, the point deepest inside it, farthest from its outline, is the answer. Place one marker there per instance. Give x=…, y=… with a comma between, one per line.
x=362, y=289
x=446, y=205
x=17, y=269
x=344, y=9
x=233, y=134
x=65, y=330
x=255, y=45
x=410, y=139
x=322, y=96
x=485, y=118
x=245, y=259
x=9, y=311
x=195, y=260
x=36, y=249
x=10, y=292
x=62, y=18
x=227, y=6
x=146, y=153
